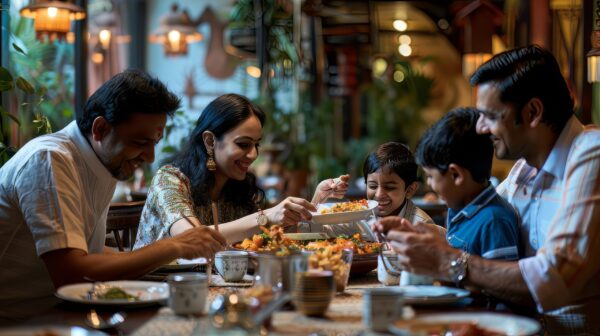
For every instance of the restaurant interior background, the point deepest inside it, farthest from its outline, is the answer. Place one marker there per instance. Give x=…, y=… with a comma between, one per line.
x=336, y=78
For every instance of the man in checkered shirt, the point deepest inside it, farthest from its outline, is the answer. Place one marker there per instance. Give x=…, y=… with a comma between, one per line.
x=526, y=108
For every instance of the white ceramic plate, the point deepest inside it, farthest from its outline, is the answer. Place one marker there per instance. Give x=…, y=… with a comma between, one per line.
x=505, y=324
x=432, y=295
x=197, y=261
x=342, y=217
x=50, y=330
x=149, y=292
x=182, y=265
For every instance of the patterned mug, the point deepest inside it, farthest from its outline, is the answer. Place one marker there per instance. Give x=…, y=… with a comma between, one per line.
x=187, y=293
x=232, y=265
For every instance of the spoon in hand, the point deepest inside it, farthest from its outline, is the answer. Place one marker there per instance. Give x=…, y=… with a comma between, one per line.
x=94, y=320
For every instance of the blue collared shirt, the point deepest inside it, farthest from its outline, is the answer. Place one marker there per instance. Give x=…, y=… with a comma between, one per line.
x=488, y=227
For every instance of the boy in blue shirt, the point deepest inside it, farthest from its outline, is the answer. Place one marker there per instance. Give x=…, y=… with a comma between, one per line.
x=458, y=162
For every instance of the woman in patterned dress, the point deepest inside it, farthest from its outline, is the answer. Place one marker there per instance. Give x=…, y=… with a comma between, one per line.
x=208, y=182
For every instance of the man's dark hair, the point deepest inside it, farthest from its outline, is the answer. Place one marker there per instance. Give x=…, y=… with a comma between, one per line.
x=453, y=139
x=525, y=73
x=393, y=156
x=129, y=92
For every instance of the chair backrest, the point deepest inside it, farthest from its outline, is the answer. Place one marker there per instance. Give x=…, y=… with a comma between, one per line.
x=122, y=221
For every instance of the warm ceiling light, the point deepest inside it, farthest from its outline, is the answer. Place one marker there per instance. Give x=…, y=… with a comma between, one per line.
x=253, y=71
x=399, y=76
x=104, y=37
x=52, y=11
x=52, y=18
x=400, y=25
x=379, y=67
x=176, y=30
x=593, y=56
x=405, y=50
x=593, y=62
x=404, y=39
x=98, y=54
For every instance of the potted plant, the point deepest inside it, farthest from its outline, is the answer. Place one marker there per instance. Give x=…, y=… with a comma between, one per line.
x=394, y=105
x=29, y=99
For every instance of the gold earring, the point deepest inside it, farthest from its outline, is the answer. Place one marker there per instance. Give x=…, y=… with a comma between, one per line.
x=210, y=163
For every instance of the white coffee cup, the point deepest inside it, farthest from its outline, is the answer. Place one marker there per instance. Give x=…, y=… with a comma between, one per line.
x=232, y=265
x=382, y=306
x=187, y=293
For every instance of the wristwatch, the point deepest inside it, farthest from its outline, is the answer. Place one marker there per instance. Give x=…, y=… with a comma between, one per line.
x=459, y=268
x=261, y=219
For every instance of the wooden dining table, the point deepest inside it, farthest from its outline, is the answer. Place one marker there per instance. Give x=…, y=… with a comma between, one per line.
x=343, y=317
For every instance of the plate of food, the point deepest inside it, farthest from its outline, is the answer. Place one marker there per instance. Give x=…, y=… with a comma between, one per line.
x=343, y=212
x=274, y=241
x=433, y=295
x=115, y=293
x=470, y=323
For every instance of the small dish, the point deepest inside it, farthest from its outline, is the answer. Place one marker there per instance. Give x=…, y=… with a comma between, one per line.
x=432, y=295
x=148, y=292
x=342, y=217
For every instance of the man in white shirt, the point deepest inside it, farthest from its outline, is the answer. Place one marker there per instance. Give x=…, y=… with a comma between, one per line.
x=55, y=193
x=527, y=109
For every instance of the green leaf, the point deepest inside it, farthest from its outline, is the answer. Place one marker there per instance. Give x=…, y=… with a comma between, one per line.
x=18, y=49
x=168, y=149
x=5, y=75
x=41, y=90
x=6, y=85
x=24, y=85
x=48, y=126
x=6, y=114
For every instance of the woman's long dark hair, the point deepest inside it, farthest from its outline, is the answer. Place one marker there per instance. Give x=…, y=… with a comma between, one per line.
x=220, y=116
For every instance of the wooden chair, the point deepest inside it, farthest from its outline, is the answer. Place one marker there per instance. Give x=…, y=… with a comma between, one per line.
x=122, y=221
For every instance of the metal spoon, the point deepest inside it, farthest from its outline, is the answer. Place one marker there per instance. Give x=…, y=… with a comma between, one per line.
x=94, y=320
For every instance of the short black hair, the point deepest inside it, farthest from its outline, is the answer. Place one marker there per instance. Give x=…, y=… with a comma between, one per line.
x=453, y=139
x=525, y=73
x=129, y=92
x=394, y=156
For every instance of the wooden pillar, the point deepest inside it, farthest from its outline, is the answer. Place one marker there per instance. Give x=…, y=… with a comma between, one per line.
x=540, y=18
x=81, y=60
x=136, y=27
x=587, y=94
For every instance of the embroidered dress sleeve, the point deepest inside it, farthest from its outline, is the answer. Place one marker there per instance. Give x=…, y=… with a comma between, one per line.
x=169, y=197
x=49, y=194
x=567, y=267
x=174, y=197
